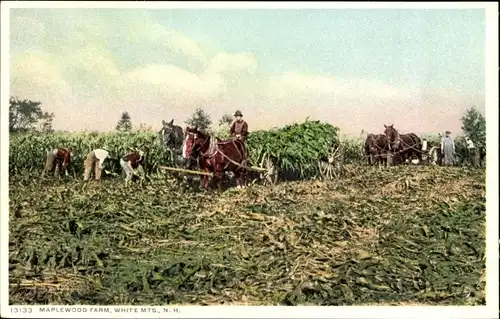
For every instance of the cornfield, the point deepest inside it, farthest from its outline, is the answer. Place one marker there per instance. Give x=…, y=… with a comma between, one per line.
x=28, y=151
x=397, y=236
x=400, y=235
x=296, y=148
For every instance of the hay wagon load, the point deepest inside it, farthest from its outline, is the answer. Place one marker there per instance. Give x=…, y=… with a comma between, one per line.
x=303, y=150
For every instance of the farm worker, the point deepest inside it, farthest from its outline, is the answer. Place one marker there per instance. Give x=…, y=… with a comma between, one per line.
x=448, y=149
x=471, y=150
x=56, y=158
x=95, y=159
x=239, y=128
x=131, y=162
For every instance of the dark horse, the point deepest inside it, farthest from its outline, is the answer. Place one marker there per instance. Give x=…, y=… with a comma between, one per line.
x=171, y=137
x=406, y=145
x=376, y=148
x=216, y=156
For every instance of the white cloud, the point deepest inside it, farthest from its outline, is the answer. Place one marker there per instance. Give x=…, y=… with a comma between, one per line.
x=167, y=79
x=232, y=63
x=39, y=75
x=172, y=40
x=94, y=61
x=84, y=81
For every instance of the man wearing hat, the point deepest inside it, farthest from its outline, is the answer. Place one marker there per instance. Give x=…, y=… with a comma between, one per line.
x=448, y=149
x=239, y=128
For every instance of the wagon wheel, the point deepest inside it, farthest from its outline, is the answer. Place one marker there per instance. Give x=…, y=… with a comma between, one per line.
x=326, y=170
x=335, y=165
x=270, y=176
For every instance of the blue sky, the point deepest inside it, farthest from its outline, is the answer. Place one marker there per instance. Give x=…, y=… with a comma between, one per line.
x=387, y=44
x=358, y=69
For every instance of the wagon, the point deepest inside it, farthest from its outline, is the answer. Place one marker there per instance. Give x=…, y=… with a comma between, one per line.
x=306, y=150
x=267, y=170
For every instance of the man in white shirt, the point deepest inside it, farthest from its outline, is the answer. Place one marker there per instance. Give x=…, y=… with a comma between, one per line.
x=95, y=159
x=471, y=151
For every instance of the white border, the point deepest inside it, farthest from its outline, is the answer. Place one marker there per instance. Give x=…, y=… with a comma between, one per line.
x=491, y=84
x=250, y=5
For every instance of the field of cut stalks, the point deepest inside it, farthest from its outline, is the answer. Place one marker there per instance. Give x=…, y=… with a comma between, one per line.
x=397, y=235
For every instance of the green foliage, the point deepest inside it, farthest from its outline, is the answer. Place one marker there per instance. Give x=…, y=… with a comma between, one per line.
x=26, y=115
x=226, y=119
x=221, y=131
x=125, y=123
x=296, y=148
x=474, y=126
x=200, y=119
x=28, y=151
x=353, y=150
x=370, y=237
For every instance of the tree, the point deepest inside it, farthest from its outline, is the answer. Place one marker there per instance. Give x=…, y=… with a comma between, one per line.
x=199, y=119
x=474, y=126
x=124, y=124
x=27, y=115
x=222, y=130
x=226, y=119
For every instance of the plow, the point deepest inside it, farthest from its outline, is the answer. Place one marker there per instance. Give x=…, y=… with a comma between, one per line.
x=267, y=171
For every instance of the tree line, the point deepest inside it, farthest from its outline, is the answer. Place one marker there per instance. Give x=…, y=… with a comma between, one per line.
x=28, y=116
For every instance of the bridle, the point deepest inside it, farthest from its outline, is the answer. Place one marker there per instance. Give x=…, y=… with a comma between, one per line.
x=167, y=135
x=393, y=145
x=194, y=136
x=375, y=145
x=213, y=150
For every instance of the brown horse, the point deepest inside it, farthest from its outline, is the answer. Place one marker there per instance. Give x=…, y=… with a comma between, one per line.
x=376, y=148
x=406, y=145
x=215, y=156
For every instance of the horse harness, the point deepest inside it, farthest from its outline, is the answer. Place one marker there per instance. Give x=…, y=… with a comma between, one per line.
x=213, y=151
x=412, y=147
x=376, y=144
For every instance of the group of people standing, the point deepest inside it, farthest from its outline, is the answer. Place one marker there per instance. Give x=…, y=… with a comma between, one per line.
x=448, y=151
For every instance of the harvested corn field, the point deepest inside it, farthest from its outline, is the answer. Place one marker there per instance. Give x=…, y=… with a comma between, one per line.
x=398, y=235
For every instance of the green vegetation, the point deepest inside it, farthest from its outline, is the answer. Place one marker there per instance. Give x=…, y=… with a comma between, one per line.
x=28, y=151
x=394, y=235
x=125, y=123
x=295, y=148
x=400, y=235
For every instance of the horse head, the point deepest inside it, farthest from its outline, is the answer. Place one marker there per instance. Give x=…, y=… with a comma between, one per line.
x=195, y=143
x=390, y=132
x=369, y=142
x=171, y=134
x=392, y=136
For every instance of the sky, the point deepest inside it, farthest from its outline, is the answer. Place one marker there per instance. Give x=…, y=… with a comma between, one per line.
x=357, y=69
